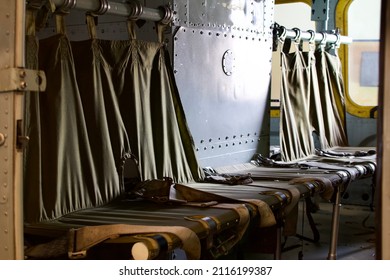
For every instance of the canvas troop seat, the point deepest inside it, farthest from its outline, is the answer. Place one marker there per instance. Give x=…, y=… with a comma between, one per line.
x=100, y=110
x=204, y=220
x=257, y=192
x=313, y=131
x=327, y=174
x=127, y=229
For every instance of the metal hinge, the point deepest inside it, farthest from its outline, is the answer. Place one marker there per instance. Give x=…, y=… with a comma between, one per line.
x=20, y=79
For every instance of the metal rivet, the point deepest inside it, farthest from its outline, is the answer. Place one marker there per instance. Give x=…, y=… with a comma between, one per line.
x=2, y=139
x=22, y=74
x=23, y=85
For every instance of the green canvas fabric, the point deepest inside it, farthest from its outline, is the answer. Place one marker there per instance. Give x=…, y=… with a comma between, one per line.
x=296, y=140
x=316, y=117
x=104, y=123
x=153, y=114
x=332, y=95
x=312, y=101
x=105, y=102
x=75, y=172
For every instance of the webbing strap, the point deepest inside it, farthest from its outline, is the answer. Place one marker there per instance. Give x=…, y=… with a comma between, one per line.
x=353, y=172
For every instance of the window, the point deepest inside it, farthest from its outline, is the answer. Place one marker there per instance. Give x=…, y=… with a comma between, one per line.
x=285, y=15
x=363, y=54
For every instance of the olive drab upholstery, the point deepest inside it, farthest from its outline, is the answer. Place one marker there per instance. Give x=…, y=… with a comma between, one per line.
x=106, y=102
x=295, y=127
x=332, y=96
x=312, y=113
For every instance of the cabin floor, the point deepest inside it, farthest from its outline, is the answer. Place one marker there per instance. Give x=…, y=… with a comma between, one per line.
x=356, y=236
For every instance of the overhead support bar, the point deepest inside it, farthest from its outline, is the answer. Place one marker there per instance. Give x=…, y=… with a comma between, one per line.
x=130, y=9
x=320, y=14
x=318, y=37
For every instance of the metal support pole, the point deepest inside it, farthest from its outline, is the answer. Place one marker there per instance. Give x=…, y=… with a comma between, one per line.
x=320, y=14
x=332, y=255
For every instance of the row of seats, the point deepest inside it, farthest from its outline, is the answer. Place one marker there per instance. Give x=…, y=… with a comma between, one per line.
x=234, y=206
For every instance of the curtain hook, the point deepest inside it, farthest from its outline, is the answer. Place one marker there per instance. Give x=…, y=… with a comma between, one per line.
x=168, y=14
x=312, y=36
x=276, y=36
x=103, y=8
x=282, y=33
x=338, y=40
x=324, y=38
x=298, y=32
x=136, y=10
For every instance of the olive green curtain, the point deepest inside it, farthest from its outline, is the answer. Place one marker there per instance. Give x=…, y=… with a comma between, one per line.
x=153, y=115
x=105, y=102
x=296, y=140
x=331, y=86
x=312, y=110
x=316, y=116
x=76, y=167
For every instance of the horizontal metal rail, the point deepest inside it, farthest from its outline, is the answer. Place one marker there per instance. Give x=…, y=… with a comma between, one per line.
x=318, y=37
x=130, y=9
